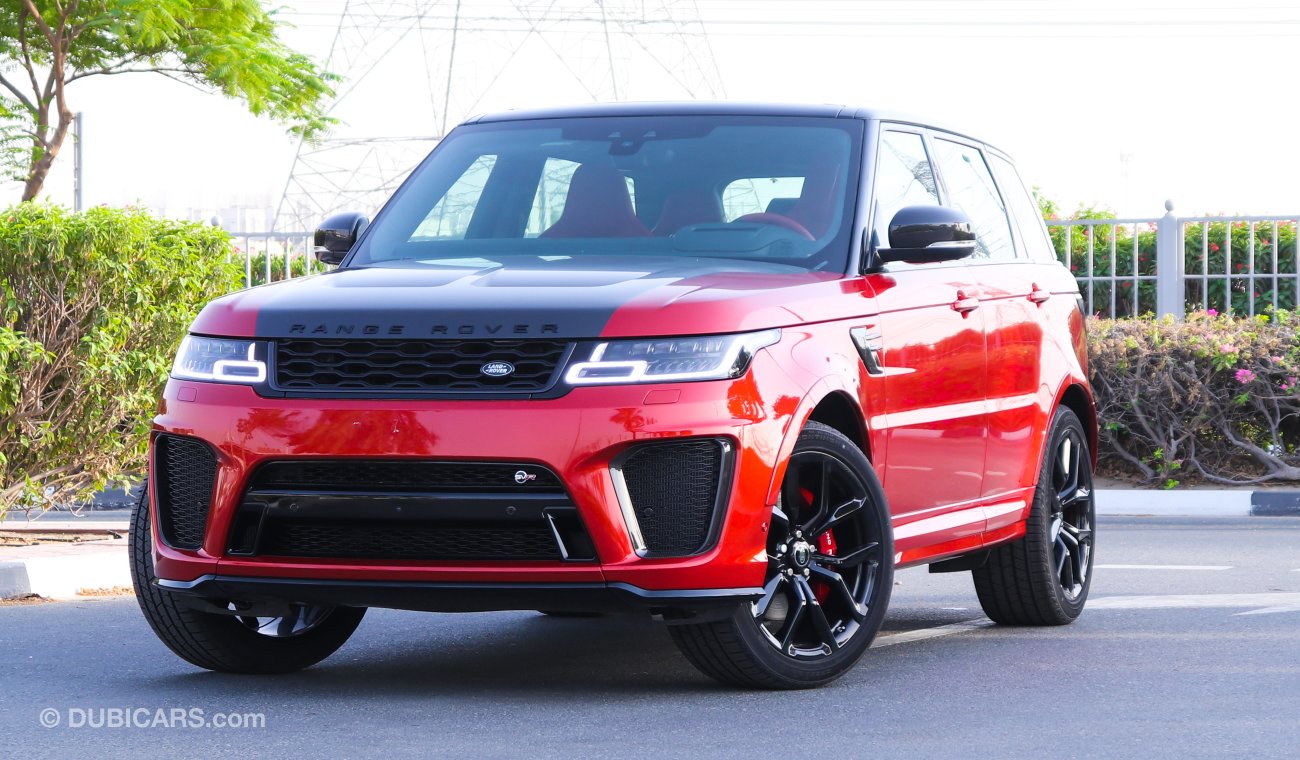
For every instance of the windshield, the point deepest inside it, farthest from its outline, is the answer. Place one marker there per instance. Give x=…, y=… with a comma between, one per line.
x=776, y=190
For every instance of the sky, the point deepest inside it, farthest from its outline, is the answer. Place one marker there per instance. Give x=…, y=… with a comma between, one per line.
x=1109, y=103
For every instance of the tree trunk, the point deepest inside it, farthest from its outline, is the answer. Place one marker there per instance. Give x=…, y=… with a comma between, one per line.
x=41, y=169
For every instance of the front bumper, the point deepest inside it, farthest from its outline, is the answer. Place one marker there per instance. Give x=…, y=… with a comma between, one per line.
x=578, y=437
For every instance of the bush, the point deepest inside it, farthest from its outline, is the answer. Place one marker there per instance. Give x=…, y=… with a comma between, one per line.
x=94, y=307
x=1216, y=397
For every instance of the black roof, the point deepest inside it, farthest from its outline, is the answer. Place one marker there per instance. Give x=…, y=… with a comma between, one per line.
x=707, y=107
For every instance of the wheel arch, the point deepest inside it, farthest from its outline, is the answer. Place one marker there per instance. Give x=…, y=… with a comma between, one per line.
x=831, y=405
x=837, y=410
x=1077, y=399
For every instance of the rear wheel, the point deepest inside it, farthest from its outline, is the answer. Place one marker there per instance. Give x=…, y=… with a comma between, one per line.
x=1043, y=578
x=830, y=573
x=302, y=636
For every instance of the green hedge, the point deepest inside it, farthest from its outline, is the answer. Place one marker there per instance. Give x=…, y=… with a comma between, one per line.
x=94, y=305
x=1215, y=397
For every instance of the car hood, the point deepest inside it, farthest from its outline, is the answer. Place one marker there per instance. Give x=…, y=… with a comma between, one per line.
x=571, y=298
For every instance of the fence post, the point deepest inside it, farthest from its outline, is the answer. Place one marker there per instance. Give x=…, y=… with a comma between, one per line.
x=1170, y=288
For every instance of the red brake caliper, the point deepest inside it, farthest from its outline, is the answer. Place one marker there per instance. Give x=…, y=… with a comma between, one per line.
x=825, y=545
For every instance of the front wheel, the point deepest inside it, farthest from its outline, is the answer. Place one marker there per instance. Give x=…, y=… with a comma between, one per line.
x=1043, y=577
x=303, y=636
x=829, y=576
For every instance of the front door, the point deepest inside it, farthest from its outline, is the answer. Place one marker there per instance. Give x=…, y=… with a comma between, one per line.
x=932, y=359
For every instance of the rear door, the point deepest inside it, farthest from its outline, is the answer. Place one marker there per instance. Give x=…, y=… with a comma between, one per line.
x=930, y=351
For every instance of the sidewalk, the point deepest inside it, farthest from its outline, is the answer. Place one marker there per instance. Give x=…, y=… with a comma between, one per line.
x=65, y=571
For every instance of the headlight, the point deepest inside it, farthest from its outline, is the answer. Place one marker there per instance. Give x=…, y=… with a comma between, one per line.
x=220, y=360
x=661, y=360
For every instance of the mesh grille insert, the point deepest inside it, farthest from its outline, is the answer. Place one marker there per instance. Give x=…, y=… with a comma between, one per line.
x=408, y=509
x=186, y=471
x=453, y=366
x=674, y=491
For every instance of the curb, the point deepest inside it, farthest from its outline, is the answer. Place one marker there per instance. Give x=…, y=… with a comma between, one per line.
x=14, y=580
x=1210, y=503
x=64, y=572
x=1275, y=503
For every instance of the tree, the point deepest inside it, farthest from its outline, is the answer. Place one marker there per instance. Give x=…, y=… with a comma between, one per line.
x=229, y=46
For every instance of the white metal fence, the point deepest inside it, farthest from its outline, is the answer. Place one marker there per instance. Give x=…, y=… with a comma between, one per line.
x=271, y=256
x=1168, y=265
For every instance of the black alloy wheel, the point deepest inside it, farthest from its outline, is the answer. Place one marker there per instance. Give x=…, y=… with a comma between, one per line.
x=1043, y=578
x=232, y=643
x=829, y=576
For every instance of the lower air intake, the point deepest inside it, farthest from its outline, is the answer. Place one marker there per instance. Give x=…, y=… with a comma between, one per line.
x=185, y=471
x=675, y=490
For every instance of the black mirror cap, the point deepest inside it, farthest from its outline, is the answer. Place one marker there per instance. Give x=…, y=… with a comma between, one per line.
x=927, y=234
x=337, y=234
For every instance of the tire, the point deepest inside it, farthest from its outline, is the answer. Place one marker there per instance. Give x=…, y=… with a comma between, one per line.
x=226, y=643
x=1043, y=578
x=824, y=600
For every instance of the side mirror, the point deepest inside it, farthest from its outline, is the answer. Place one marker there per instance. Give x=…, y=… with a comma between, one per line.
x=336, y=236
x=924, y=234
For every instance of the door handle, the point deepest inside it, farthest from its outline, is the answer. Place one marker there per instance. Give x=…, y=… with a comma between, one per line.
x=1038, y=295
x=964, y=303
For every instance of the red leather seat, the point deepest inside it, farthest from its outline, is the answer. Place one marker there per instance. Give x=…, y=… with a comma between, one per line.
x=820, y=198
x=598, y=205
x=688, y=206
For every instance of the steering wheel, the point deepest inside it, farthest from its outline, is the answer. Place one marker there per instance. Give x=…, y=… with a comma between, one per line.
x=777, y=220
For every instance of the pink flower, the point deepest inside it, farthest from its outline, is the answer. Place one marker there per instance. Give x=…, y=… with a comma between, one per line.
x=1227, y=348
x=1245, y=376
x=1211, y=312
x=1277, y=360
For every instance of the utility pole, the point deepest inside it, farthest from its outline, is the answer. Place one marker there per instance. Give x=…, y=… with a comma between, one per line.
x=78, y=167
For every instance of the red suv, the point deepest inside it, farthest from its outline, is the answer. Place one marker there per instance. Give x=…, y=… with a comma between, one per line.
x=727, y=364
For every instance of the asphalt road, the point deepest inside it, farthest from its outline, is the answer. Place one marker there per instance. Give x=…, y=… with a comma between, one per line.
x=1164, y=663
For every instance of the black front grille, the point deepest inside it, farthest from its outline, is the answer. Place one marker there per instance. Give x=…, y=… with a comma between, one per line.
x=416, y=366
x=402, y=541
x=185, y=472
x=408, y=509
x=674, y=493
x=360, y=475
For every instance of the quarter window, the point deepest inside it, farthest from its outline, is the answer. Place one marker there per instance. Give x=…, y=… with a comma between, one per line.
x=972, y=191
x=904, y=177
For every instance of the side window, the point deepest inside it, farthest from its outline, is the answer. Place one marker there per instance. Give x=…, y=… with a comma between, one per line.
x=1028, y=219
x=552, y=191
x=904, y=177
x=755, y=195
x=449, y=218
x=971, y=186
